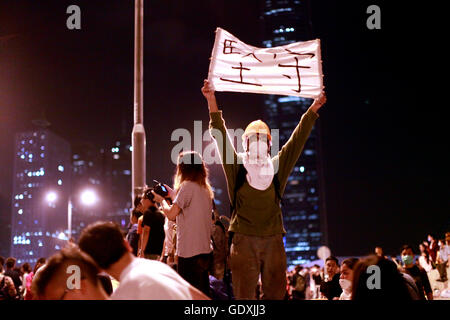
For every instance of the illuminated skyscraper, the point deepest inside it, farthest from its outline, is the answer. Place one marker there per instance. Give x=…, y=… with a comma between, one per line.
x=41, y=165
x=287, y=21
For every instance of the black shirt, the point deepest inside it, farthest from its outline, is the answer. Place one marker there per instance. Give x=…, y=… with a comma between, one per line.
x=331, y=289
x=421, y=279
x=154, y=219
x=133, y=238
x=14, y=275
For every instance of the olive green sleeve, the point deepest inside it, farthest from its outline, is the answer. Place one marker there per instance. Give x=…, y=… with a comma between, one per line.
x=226, y=150
x=291, y=151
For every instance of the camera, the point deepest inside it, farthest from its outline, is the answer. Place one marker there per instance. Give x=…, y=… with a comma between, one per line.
x=160, y=189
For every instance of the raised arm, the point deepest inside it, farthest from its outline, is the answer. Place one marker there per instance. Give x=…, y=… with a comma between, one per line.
x=290, y=152
x=219, y=132
x=210, y=96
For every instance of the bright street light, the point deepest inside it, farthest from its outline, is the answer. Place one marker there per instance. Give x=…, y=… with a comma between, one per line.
x=88, y=197
x=51, y=197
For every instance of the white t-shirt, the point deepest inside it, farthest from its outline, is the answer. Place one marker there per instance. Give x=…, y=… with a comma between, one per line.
x=194, y=222
x=168, y=241
x=423, y=263
x=146, y=279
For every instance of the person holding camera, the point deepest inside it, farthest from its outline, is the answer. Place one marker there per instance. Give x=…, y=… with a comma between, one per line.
x=192, y=205
x=152, y=228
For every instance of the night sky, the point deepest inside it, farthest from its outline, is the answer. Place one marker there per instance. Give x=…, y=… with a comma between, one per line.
x=385, y=139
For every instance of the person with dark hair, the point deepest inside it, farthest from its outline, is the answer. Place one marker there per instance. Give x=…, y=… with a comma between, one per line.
x=346, y=277
x=330, y=286
x=57, y=279
x=2, y=262
x=192, y=206
x=316, y=280
x=7, y=288
x=29, y=278
x=106, y=283
x=424, y=259
x=256, y=182
x=388, y=283
x=138, y=207
x=26, y=270
x=139, y=279
x=132, y=235
x=433, y=247
x=380, y=252
x=418, y=274
x=298, y=283
x=442, y=259
x=152, y=239
x=13, y=274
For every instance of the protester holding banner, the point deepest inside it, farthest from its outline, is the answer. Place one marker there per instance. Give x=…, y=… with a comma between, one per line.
x=257, y=244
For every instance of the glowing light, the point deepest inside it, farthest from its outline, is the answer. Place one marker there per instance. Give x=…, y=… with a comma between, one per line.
x=51, y=197
x=88, y=197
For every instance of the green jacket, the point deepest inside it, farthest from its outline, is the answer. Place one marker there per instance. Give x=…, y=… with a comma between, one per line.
x=258, y=212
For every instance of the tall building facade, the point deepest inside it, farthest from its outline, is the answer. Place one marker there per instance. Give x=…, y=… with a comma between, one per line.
x=304, y=212
x=118, y=158
x=38, y=222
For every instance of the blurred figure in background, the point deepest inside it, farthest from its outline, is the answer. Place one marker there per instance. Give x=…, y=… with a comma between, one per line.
x=13, y=274
x=433, y=247
x=419, y=275
x=330, y=287
x=298, y=283
x=132, y=235
x=442, y=259
x=391, y=287
x=26, y=270
x=424, y=259
x=379, y=252
x=346, y=277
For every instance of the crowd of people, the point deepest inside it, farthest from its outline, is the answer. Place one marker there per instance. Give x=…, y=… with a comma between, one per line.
x=179, y=248
x=421, y=276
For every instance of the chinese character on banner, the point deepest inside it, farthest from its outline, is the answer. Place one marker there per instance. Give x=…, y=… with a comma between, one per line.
x=294, y=69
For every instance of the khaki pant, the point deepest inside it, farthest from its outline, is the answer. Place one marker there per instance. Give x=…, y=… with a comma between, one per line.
x=252, y=256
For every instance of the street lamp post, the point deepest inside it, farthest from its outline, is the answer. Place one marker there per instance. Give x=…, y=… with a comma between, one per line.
x=138, y=135
x=88, y=198
x=69, y=218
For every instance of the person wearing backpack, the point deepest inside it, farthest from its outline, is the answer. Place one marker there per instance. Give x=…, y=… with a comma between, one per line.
x=256, y=183
x=299, y=284
x=7, y=288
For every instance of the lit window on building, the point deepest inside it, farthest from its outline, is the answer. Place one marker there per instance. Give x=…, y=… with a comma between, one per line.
x=59, y=182
x=60, y=168
x=116, y=156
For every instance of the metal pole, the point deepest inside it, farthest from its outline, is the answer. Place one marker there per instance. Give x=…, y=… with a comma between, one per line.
x=138, y=134
x=69, y=218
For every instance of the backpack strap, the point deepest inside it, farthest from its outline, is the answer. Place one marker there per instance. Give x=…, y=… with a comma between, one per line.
x=240, y=180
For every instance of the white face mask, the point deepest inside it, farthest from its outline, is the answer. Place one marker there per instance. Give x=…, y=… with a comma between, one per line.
x=345, y=284
x=258, y=149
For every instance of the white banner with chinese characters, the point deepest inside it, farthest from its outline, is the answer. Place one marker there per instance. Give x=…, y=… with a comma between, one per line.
x=294, y=69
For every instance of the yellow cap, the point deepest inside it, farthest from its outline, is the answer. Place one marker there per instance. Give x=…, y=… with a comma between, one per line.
x=257, y=126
